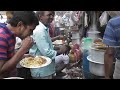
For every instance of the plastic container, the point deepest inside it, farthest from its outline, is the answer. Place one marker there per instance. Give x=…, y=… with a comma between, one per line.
x=86, y=72
x=86, y=43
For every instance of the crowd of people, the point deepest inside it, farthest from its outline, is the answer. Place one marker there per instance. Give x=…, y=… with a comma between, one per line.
x=36, y=33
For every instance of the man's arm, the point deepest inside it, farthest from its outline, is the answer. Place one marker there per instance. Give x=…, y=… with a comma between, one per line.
x=108, y=61
x=55, y=38
x=7, y=66
x=109, y=39
x=56, y=48
x=43, y=44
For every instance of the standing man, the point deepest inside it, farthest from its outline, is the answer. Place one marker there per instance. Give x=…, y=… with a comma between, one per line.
x=44, y=45
x=21, y=25
x=112, y=39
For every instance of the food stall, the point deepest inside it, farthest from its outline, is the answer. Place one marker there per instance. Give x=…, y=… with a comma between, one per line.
x=83, y=36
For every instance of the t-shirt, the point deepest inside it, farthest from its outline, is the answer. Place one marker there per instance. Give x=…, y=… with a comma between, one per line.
x=112, y=34
x=7, y=43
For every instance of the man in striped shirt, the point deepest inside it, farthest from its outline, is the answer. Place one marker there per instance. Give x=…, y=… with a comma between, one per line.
x=112, y=39
x=21, y=25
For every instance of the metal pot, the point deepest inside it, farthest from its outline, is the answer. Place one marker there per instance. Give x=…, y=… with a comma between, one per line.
x=75, y=35
x=96, y=68
x=93, y=34
x=76, y=40
x=97, y=55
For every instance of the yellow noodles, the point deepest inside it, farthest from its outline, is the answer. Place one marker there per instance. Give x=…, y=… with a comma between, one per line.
x=33, y=62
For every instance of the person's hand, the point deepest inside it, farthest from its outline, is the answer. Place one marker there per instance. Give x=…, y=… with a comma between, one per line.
x=28, y=55
x=27, y=43
x=61, y=37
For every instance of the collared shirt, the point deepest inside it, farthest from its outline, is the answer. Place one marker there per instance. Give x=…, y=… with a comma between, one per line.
x=43, y=47
x=112, y=34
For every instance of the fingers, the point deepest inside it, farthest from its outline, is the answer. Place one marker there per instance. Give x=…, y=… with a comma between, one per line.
x=28, y=55
x=27, y=43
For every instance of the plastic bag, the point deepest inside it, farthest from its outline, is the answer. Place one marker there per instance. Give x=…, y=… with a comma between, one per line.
x=103, y=19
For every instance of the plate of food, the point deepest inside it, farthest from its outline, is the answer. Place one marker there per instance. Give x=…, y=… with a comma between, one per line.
x=99, y=45
x=35, y=62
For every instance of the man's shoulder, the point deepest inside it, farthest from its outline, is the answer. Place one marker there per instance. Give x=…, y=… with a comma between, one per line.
x=2, y=32
x=3, y=28
x=39, y=28
x=115, y=20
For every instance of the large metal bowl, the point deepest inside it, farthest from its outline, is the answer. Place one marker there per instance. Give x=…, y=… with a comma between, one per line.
x=97, y=55
x=96, y=68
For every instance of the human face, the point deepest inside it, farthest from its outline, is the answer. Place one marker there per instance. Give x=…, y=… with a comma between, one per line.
x=25, y=31
x=47, y=18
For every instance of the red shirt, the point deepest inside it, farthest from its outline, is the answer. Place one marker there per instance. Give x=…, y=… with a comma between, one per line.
x=7, y=43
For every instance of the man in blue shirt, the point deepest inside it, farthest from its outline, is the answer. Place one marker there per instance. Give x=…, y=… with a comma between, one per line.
x=44, y=46
x=112, y=39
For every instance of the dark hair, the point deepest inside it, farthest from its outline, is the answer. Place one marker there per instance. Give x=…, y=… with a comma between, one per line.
x=41, y=13
x=27, y=17
x=53, y=13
